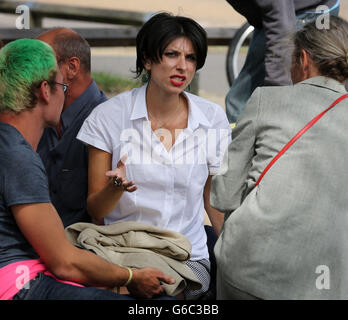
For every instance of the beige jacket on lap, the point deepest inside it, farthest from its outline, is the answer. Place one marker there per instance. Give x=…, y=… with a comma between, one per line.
x=137, y=245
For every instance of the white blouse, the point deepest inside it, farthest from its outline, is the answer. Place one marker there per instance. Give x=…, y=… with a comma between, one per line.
x=170, y=183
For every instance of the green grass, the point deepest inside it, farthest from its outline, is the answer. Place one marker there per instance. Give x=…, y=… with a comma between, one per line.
x=114, y=84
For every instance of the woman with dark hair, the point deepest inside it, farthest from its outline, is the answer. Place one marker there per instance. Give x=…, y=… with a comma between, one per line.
x=285, y=191
x=168, y=141
x=162, y=29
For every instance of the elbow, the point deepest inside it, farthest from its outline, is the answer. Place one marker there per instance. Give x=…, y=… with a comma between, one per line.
x=62, y=270
x=65, y=264
x=98, y=208
x=207, y=204
x=92, y=210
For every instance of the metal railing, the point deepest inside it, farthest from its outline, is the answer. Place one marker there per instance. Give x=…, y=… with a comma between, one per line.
x=125, y=25
x=117, y=35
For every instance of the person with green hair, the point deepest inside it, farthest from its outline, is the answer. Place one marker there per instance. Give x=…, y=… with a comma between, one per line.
x=36, y=259
x=17, y=84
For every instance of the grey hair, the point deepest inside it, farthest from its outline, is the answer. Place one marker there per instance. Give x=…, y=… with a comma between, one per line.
x=67, y=45
x=328, y=48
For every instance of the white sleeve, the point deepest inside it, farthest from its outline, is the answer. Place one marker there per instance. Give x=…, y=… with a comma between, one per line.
x=101, y=129
x=219, y=137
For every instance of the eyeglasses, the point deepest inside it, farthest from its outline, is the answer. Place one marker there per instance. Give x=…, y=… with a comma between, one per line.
x=65, y=86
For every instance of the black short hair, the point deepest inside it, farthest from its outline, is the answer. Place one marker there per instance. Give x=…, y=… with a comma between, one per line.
x=161, y=29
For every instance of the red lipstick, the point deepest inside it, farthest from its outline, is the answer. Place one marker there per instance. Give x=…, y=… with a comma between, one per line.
x=177, y=80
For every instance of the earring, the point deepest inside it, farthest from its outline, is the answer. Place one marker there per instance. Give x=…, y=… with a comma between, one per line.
x=145, y=77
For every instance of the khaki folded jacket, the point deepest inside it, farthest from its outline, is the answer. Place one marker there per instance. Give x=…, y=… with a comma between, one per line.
x=137, y=245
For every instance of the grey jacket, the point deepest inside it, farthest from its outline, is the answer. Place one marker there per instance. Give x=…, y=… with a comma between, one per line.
x=279, y=237
x=137, y=245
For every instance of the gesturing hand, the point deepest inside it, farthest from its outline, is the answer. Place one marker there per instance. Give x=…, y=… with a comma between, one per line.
x=118, y=176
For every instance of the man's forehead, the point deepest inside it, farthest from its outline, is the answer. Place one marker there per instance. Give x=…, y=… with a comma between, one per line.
x=51, y=34
x=47, y=37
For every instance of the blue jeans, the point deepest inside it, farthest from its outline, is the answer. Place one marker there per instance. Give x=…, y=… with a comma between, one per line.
x=253, y=72
x=250, y=77
x=46, y=288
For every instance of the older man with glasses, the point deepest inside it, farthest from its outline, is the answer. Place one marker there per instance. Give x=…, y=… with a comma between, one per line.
x=64, y=157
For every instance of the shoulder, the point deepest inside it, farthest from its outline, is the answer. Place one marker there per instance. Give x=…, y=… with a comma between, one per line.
x=275, y=95
x=119, y=104
x=22, y=158
x=202, y=102
x=24, y=181
x=14, y=149
x=104, y=125
x=213, y=112
x=269, y=100
x=272, y=95
x=22, y=169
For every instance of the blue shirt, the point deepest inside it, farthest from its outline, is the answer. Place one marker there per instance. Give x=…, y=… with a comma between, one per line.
x=66, y=159
x=23, y=180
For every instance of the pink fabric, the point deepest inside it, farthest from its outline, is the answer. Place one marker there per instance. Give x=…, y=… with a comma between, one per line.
x=15, y=275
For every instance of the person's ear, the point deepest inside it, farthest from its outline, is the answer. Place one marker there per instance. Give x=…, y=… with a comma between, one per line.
x=147, y=64
x=71, y=67
x=44, y=92
x=305, y=62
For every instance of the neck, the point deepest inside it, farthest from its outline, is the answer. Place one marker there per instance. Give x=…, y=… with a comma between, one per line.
x=160, y=104
x=76, y=87
x=27, y=123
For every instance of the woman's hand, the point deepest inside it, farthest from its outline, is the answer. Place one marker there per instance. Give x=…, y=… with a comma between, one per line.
x=103, y=195
x=118, y=176
x=146, y=282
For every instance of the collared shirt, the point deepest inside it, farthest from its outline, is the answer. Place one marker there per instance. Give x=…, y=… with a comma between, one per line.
x=66, y=159
x=170, y=183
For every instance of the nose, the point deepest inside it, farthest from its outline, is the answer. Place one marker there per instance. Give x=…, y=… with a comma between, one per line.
x=181, y=63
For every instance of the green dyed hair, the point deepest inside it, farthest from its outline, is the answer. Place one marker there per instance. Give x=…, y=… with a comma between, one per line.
x=24, y=64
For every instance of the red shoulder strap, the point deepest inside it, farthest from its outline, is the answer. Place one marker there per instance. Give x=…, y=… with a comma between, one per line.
x=297, y=136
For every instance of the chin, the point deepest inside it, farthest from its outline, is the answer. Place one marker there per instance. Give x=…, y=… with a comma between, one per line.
x=52, y=124
x=179, y=89
x=174, y=91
